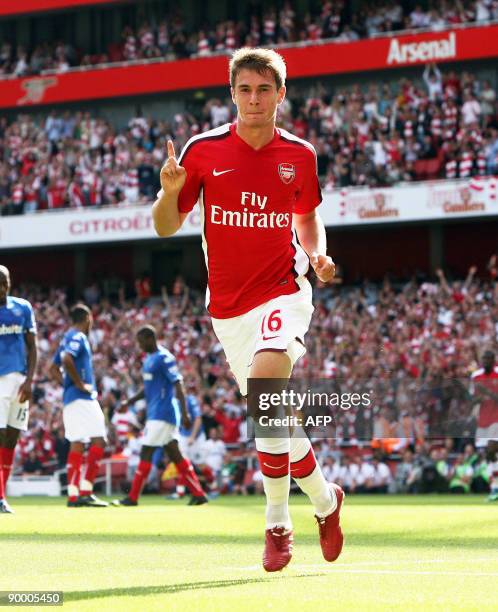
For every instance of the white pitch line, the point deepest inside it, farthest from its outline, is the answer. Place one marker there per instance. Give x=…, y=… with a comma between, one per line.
x=339, y=570
x=376, y=563
x=386, y=572
x=405, y=561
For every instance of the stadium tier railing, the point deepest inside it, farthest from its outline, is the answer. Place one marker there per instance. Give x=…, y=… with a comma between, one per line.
x=476, y=183
x=413, y=31
x=350, y=206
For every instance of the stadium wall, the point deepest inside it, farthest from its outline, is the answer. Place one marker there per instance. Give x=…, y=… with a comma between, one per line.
x=163, y=106
x=417, y=228
x=420, y=202
x=75, y=267
x=360, y=251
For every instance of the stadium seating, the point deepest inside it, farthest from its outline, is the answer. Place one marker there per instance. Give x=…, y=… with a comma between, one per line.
x=449, y=344
x=374, y=137
x=169, y=36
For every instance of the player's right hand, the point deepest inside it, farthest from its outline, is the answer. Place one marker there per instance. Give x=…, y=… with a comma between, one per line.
x=173, y=176
x=88, y=388
x=24, y=393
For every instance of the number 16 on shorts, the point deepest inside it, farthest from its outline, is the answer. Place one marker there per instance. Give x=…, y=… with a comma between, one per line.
x=271, y=325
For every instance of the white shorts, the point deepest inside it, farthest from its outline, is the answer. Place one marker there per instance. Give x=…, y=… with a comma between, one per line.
x=83, y=419
x=486, y=434
x=13, y=412
x=277, y=325
x=159, y=433
x=192, y=451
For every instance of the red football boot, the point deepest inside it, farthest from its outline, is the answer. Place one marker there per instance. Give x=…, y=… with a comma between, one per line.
x=331, y=538
x=278, y=548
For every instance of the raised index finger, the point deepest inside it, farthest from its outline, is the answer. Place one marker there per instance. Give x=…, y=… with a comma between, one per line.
x=171, y=149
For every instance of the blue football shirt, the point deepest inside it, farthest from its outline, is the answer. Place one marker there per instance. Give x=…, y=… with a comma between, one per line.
x=16, y=319
x=76, y=344
x=160, y=373
x=194, y=411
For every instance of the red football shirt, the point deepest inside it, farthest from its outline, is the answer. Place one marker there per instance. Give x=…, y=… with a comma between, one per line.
x=247, y=198
x=488, y=411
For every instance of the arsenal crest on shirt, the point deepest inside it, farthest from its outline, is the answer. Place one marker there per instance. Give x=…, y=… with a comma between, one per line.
x=287, y=173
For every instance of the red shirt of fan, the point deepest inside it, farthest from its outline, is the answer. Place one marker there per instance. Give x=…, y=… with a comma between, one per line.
x=247, y=198
x=488, y=410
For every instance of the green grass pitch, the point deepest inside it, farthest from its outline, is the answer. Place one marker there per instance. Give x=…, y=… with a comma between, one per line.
x=410, y=553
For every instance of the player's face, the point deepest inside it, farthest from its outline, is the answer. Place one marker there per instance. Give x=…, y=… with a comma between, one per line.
x=4, y=286
x=142, y=343
x=256, y=97
x=146, y=343
x=488, y=361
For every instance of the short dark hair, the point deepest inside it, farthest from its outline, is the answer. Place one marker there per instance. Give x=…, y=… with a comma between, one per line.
x=147, y=331
x=79, y=313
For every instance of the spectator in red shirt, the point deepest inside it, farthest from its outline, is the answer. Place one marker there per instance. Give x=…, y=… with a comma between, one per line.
x=143, y=288
x=230, y=423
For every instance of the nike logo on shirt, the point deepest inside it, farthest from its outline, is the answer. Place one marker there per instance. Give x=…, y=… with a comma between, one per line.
x=215, y=173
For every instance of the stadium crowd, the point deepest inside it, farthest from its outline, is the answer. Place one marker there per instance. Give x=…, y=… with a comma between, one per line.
x=170, y=37
x=415, y=344
x=445, y=125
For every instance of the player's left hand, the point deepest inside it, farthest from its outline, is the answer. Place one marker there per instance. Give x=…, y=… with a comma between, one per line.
x=24, y=393
x=323, y=266
x=186, y=422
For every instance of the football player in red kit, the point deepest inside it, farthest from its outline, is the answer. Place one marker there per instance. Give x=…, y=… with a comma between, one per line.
x=484, y=387
x=258, y=191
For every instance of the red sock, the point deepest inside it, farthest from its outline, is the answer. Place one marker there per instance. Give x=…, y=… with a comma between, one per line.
x=304, y=467
x=3, y=487
x=74, y=461
x=95, y=454
x=186, y=470
x=7, y=461
x=140, y=477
